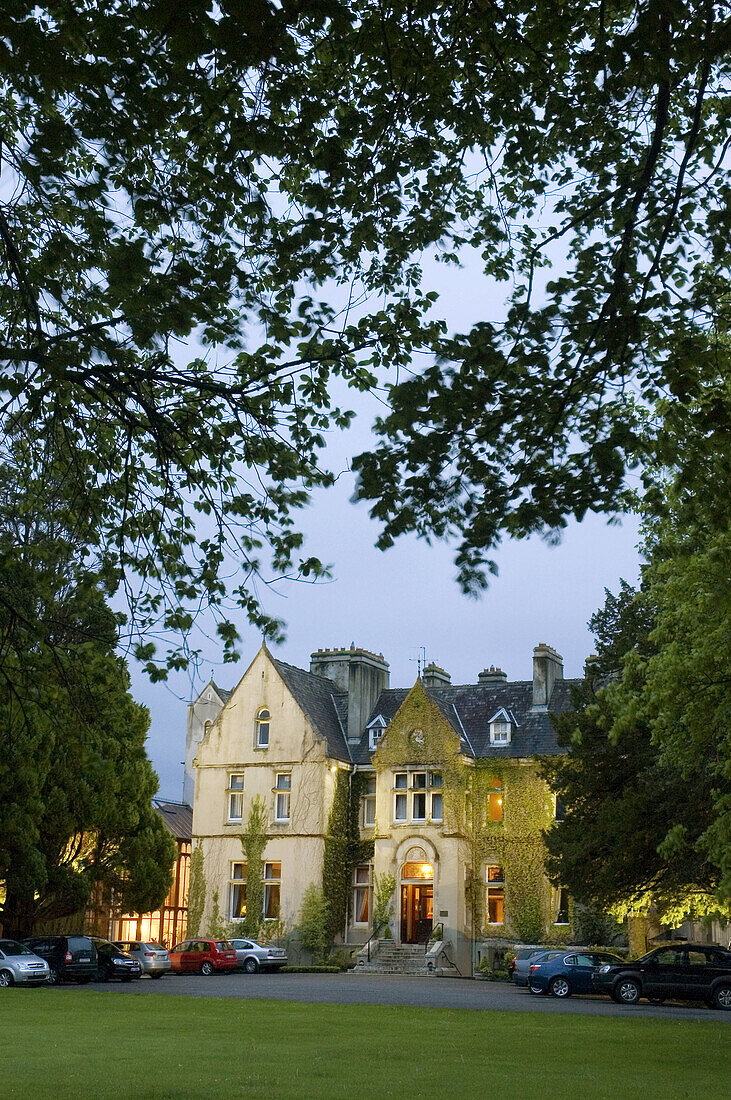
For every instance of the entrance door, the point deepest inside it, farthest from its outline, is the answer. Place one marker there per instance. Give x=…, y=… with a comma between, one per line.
x=417, y=913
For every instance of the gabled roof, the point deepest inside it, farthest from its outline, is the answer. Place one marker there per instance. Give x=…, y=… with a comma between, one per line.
x=318, y=698
x=470, y=708
x=178, y=816
x=503, y=715
x=223, y=693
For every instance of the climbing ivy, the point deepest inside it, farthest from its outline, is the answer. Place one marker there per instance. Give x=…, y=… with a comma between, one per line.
x=196, y=891
x=253, y=842
x=343, y=848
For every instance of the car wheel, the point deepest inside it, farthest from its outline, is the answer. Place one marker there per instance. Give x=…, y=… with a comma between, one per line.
x=559, y=987
x=251, y=966
x=6, y=979
x=103, y=974
x=536, y=989
x=207, y=968
x=721, y=996
x=627, y=992
x=52, y=976
x=160, y=975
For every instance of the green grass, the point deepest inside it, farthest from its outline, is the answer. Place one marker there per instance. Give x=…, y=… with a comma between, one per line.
x=61, y=1043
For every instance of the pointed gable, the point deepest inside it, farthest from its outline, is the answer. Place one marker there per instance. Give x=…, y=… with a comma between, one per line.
x=419, y=732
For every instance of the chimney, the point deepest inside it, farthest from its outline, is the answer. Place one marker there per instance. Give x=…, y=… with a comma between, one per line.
x=363, y=675
x=435, y=677
x=492, y=677
x=547, y=669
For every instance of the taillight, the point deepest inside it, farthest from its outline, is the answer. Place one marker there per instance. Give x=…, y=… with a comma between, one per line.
x=69, y=957
x=534, y=967
x=149, y=954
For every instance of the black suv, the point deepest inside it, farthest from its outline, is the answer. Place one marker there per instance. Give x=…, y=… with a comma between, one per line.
x=115, y=963
x=70, y=958
x=685, y=971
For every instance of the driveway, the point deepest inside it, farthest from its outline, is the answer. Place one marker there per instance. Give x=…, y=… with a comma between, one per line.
x=354, y=988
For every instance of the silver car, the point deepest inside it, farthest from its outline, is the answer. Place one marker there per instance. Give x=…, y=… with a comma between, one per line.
x=152, y=957
x=254, y=956
x=19, y=966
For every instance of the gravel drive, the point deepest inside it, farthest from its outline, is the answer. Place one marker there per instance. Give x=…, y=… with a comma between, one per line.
x=353, y=988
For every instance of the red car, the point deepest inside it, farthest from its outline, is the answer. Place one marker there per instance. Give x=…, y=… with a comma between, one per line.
x=203, y=957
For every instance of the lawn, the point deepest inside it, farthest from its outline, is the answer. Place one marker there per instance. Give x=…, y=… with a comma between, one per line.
x=63, y=1043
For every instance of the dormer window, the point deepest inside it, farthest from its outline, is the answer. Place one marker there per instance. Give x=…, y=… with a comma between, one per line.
x=502, y=724
x=376, y=729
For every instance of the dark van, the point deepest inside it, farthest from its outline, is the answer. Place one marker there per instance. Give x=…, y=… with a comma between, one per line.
x=70, y=958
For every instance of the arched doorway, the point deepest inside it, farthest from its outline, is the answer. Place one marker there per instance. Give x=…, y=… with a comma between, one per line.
x=417, y=897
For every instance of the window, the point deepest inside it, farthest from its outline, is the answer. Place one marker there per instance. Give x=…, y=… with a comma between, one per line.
x=361, y=894
x=495, y=895
x=235, y=796
x=560, y=810
x=418, y=796
x=435, y=787
x=495, y=800
x=281, y=796
x=272, y=887
x=262, y=729
x=400, y=782
x=368, y=801
x=562, y=906
x=501, y=725
x=237, y=891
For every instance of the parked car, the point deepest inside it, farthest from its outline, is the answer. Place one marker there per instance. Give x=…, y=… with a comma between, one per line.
x=69, y=958
x=114, y=963
x=523, y=959
x=687, y=971
x=253, y=956
x=152, y=957
x=20, y=966
x=568, y=973
x=203, y=957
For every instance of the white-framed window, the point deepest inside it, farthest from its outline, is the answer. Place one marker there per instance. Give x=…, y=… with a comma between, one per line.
x=435, y=795
x=282, y=789
x=368, y=802
x=376, y=730
x=494, y=894
x=400, y=807
x=495, y=800
x=501, y=727
x=418, y=796
x=272, y=889
x=361, y=894
x=235, y=796
x=261, y=737
x=237, y=891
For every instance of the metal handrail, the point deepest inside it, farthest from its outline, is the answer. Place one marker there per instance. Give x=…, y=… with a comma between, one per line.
x=432, y=936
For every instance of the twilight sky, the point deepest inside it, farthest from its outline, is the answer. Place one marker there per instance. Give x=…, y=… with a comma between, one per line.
x=400, y=600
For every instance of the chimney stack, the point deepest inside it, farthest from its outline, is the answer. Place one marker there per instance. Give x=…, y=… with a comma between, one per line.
x=363, y=675
x=435, y=677
x=492, y=677
x=547, y=669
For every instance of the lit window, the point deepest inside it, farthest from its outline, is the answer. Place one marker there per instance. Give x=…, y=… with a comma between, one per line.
x=237, y=891
x=272, y=887
x=235, y=796
x=495, y=800
x=494, y=895
x=263, y=719
x=361, y=894
x=282, y=795
x=369, y=802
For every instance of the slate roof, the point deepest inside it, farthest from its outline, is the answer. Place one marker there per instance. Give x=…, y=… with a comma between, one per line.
x=322, y=702
x=468, y=709
x=178, y=816
x=223, y=693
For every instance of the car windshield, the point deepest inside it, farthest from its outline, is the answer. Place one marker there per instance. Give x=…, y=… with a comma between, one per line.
x=10, y=947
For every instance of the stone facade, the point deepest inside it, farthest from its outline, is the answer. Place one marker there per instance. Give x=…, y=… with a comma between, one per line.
x=451, y=797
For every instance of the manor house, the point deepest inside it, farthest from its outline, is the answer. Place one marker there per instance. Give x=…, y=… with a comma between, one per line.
x=451, y=802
